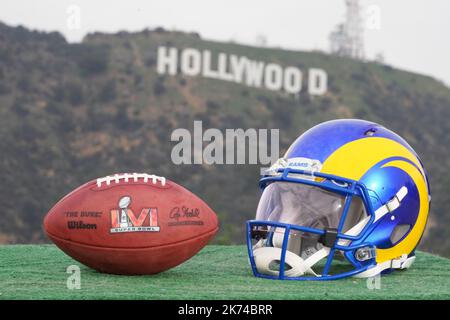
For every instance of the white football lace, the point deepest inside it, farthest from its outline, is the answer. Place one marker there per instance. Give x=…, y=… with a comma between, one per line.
x=131, y=176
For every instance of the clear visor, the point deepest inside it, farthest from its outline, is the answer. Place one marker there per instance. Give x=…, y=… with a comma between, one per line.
x=307, y=206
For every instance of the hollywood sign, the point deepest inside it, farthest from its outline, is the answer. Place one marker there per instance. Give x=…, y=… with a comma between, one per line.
x=240, y=69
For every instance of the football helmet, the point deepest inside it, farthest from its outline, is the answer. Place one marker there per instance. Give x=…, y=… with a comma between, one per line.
x=349, y=198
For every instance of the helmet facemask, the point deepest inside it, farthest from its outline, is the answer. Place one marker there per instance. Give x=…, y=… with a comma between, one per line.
x=295, y=233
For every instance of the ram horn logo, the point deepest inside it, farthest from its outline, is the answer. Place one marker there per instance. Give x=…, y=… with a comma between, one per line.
x=123, y=218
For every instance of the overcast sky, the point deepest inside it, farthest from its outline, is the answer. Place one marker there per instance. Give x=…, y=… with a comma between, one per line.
x=411, y=34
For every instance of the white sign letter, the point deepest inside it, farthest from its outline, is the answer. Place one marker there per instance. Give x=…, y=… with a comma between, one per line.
x=168, y=60
x=222, y=68
x=207, y=71
x=254, y=73
x=273, y=77
x=317, y=81
x=237, y=67
x=191, y=62
x=292, y=80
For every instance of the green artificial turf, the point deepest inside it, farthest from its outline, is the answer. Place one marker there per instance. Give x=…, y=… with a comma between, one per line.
x=217, y=272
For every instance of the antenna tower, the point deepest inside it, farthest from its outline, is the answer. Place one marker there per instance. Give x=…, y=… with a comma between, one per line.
x=348, y=38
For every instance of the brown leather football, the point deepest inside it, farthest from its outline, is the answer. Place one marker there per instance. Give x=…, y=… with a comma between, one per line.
x=131, y=224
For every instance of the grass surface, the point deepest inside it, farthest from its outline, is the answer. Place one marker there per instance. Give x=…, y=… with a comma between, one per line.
x=217, y=272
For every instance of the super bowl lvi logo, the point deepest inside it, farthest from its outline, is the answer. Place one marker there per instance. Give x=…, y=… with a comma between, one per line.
x=123, y=218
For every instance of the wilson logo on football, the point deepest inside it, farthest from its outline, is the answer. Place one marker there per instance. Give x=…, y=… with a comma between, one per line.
x=123, y=219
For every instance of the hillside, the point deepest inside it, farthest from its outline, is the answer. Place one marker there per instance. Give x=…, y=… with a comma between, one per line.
x=73, y=112
x=39, y=272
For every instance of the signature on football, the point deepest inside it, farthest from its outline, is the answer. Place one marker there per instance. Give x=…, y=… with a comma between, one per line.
x=184, y=212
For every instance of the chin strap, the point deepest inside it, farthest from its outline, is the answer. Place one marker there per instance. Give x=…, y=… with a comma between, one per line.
x=402, y=262
x=296, y=266
x=267, y=259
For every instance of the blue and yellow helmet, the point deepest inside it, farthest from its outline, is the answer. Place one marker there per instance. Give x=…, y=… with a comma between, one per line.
x=349, y=198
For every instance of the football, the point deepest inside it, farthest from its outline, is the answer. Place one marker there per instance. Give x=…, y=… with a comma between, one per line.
x=131, y=224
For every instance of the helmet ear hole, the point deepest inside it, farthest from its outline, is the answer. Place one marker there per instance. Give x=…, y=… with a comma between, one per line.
x=399, y=232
